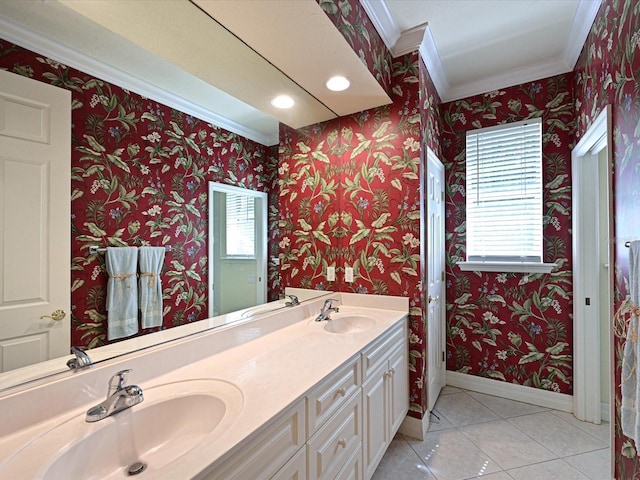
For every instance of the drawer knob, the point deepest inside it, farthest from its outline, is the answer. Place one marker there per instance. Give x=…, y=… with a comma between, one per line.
x=341, y=392
x=342, y=443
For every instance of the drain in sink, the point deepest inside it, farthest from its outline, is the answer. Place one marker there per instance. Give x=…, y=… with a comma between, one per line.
x=136, y=468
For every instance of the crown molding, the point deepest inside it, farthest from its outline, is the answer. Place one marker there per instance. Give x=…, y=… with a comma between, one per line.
x=580, y=28
x=57, y=51
x=390, y=33
x=397, y=42
x=431, y=57
x=379, y=14
x=518, y=76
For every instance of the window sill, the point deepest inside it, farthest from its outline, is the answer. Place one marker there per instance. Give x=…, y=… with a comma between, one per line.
x=503, y=267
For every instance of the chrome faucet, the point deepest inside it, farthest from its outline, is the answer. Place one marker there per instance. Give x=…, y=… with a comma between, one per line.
x=81, y=360
x=327, y=308
x=120, y=397
x=293, y=300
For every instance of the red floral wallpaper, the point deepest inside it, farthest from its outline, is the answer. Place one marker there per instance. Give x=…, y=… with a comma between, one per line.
x=513, y=327
x=139, y=177
x=352, y=21
x=607, y=72
x=430, y=118
x=350, y=196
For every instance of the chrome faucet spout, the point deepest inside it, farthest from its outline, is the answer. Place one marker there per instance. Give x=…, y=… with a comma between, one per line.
x=81, y=360
x=119, y=397
x=293, y=301
x=326, y=310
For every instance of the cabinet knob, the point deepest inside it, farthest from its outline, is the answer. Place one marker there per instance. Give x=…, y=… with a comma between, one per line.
x=342, y=443
x=392, y=371
x=341, y=392
x=434, y=299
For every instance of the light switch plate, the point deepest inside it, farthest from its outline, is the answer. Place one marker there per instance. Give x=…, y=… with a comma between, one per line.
x=348, y=274
x=331, y=274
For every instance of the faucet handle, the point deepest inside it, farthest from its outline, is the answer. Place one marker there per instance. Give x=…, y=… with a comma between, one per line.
x=328, y=303
x=118, y=382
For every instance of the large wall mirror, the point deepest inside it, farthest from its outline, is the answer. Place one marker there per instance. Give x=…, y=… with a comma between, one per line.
x=31, y=359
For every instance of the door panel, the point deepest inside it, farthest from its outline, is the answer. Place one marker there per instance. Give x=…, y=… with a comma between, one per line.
x=35, y=211
x=435, y=277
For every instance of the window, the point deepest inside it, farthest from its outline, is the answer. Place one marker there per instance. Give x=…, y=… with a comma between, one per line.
x=241, y=231
x=504, y=197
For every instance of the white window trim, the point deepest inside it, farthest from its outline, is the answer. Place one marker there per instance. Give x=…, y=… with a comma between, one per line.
x=506, y=267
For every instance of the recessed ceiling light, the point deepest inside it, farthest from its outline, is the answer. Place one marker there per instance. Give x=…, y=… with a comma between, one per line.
x=282, y=101
x=338, y=83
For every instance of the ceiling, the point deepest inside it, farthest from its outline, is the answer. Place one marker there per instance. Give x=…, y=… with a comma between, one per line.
x=476, y=46
x=212, y=59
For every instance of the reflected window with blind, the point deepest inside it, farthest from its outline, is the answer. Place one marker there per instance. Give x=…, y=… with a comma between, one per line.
x=504, y=193
x=240, y=226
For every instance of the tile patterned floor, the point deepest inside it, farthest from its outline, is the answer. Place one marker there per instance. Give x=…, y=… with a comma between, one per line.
x=480, y=436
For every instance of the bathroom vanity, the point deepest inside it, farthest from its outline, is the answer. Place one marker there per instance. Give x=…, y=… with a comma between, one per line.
x=278, y=396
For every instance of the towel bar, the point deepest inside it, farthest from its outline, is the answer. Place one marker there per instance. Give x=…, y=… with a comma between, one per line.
x=94, y=249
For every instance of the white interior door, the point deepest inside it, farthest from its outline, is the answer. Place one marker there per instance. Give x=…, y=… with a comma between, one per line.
x=435, y=277
x=35, y=211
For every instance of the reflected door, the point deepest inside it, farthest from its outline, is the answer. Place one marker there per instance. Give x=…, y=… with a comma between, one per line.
x=435, y=277
x=237, y=248
x=35, y=204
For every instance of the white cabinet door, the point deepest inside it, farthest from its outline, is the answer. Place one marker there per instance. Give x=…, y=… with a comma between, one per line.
x=266, y=452
x=385, y=395
x=35, y=211
x=376, y=419
x=398, y=388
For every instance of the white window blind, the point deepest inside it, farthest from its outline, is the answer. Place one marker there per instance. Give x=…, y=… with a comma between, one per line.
x=241, y=229
x=504, y=193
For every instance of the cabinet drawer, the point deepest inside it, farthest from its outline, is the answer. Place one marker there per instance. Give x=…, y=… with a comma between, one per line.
x=329, y=450
x=379, y=350
x=327, y=398
x=295, y=469
x=267, y=451
x=353, y=469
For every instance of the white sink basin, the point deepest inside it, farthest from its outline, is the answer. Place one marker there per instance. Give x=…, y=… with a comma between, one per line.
x=173, y=420
x=348, y=323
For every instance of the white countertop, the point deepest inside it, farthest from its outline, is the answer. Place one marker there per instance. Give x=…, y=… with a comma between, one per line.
x=273, y=371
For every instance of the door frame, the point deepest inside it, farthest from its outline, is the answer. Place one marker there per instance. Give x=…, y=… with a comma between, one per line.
x=586, y=333
x=262, y=246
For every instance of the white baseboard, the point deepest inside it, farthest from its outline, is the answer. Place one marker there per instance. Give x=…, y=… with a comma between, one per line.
x=512, y=391
x=415, y=427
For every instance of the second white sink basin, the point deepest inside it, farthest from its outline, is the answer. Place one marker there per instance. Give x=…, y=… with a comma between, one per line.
x=349, y=323
x=173, y=419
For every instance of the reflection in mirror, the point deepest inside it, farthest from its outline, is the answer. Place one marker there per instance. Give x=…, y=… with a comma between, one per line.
x=137, y=178
x=237, y=248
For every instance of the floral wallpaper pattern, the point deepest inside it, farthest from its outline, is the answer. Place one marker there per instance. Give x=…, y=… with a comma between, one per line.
x=513, y=327
x=352, y=21
x=139, y=177
x=607, y=72
x=430, y=119
x=350, y=196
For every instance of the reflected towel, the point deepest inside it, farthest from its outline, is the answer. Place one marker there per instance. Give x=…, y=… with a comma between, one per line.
x=150, y=288
x=630, y=415
x=122, y=292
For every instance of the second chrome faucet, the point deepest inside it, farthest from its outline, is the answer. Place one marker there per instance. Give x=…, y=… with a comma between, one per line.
x=120, y=397
x=327, y=308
